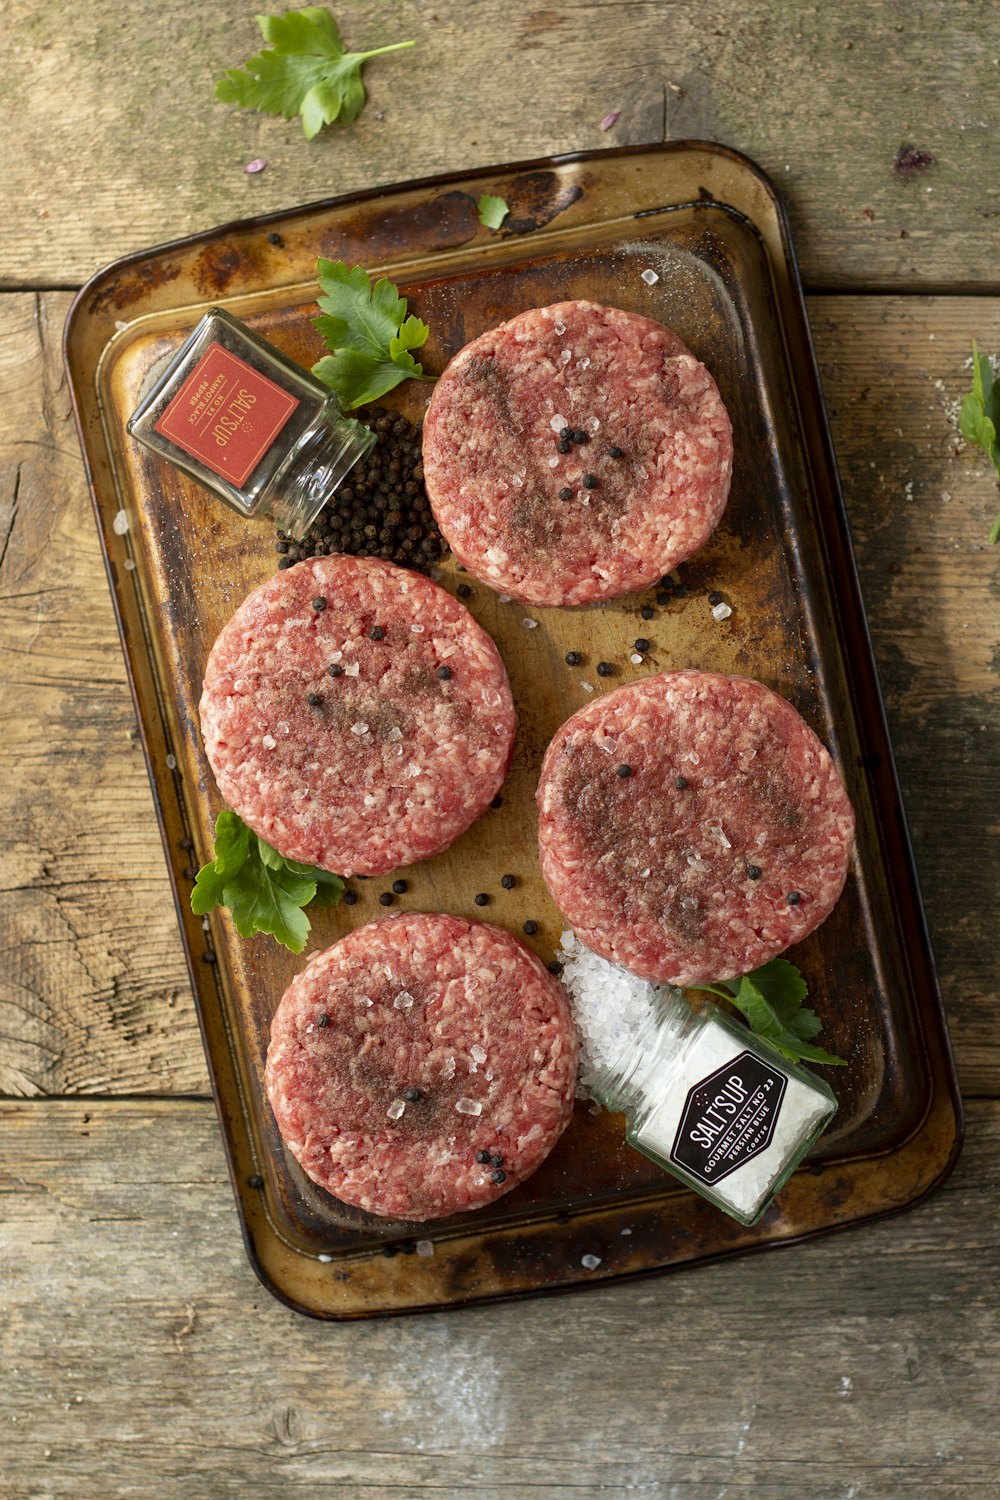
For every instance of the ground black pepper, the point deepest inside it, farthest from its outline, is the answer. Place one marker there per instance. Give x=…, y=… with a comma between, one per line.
x=555, y=967
x=255, y=1180
x=412, y=1096
x=497, y=1160
x=564, y=445
x=381, y=509
x=663, y=598
x=319, y=604
x=614, y=452
x=580, y=436
x=497, y=801
x=377, y=633
x=335, y=669
x=314, y=700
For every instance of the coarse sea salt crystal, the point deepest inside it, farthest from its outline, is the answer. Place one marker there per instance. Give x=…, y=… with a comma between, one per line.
x=505, y=598
x=128, y=564
x=396, y=1109
x=590, y=1261
x=171, y=763
x=558, y=422
x=352, y=669
x=268, y=741
x=649, y=276
x=394, y=735
x=554, y=461
x=721, y=611
x=360, y=727
x=560, y=329
x=425, y=1247
x=336, y=655
x=403, y=1001
x=465, y=1106
x=566, y=356
x=635, y=659
x=368, y=800
x=529, y=624
x=477, y=1053
x=417, y=629
x=120, y=523
x=588, y=687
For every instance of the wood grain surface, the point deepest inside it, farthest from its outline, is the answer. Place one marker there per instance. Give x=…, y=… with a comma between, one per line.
x=138, y=1352
x=116, y=141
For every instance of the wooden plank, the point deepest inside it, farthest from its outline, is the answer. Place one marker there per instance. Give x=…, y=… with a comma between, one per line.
x=821, y=95
x=140, y=1353
x=93, y=993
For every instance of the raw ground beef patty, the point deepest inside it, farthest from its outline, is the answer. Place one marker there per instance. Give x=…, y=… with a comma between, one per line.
x=692, y=826
x=408, y=1047
x=356, y=716
x=518, y=512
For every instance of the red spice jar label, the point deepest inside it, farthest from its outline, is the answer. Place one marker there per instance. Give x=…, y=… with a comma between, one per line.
x=226, y=414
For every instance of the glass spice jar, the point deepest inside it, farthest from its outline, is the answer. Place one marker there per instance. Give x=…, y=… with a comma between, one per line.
x=715, y=1105
x=245, y=421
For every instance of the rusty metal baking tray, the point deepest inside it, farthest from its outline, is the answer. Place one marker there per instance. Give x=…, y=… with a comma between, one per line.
x=710, y=225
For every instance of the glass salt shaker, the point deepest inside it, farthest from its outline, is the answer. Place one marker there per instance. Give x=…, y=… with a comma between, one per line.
x=249, y=424
x=715, y=1105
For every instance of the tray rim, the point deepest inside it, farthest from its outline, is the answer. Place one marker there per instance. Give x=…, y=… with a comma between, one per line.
x=942, y=1092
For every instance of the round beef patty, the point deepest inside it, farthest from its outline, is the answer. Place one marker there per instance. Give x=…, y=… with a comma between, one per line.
x=356, y=716
x=692, y=826
x=576, y=453
x=422, y=1066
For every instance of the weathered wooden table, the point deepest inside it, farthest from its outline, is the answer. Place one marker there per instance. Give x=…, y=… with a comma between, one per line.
x=139, y=1354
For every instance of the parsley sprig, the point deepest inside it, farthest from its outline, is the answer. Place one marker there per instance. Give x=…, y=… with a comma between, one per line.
x=979, y=418
x=306, y=71
x=771, y=1000
x=264, y=891
x=367, y=328
x=492, y=210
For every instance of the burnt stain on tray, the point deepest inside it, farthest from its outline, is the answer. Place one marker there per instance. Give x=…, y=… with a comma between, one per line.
x=443, y=222
x=131, y=284
x=535, y=199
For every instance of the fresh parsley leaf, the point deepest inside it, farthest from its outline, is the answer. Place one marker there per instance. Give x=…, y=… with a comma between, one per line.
x=306, y=71
x=492, y=211
x=771, y=1000
x=979, y=418
x=264, y=891
x=367, y=328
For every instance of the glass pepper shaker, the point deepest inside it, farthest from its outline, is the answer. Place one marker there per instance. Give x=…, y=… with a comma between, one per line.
x=248, y=423
x=715, y=1105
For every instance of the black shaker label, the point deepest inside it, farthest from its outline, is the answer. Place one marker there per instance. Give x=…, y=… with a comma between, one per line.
x=729, y=1118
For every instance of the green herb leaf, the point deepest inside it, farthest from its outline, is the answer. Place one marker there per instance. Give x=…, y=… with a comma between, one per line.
x=367, y=328
x=979, y=417
x=492, y=211
x=264, y=891
x=771, y=1000
x=306, y=71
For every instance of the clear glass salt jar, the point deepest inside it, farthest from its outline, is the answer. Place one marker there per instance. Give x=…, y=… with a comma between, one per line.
x=248, y=423
x=715, y=1105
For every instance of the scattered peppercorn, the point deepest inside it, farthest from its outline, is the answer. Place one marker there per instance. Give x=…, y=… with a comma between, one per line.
x=350, y=898
x=412, y=1096
x=497, y=801
x=444, y=673
x=565, y=493
x=255, y=1180
x=624, y=772
x=399, y=886
x=565, y=434
x=499, y=1176
x=319, y=604
x=590, y=481
x=208, y=956
x=680, y=591
x=463, y=591
x=274, y=238
x=715, y=597
x=323, y=1021
x=614, y=452
x=385, y=899
x=407, y=1247
x=377, y=633
x=482, y=1157
x=647, y=611
x=389, y=1251
x=335, y=669
x=508, y=882
x=605, y=669
x=186, y=844
x=530, y=927
x=314, y=700
x=563, y=445
x=666, y=582
x=497, y=1160
x=555, y=967
x=794, y=898
x=481, y=898
x=573, y=658
x=663, y=598
x=754, y=872
x=580, y=436
x=680, y=782
x=641, y=643
x=191, y=873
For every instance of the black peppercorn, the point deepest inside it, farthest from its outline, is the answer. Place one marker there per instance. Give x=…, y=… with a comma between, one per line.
x=314, y=700
x=444, y=673
x=208, y=957
x=481, y=898
x=565, y=434
x=680, y=782
x=624, y=772
x=482, y=1157
x=274, y=238
x=323, y=1022
x=412, y=1096
x=614, y=452
x=794, y=898
x=508, y=882
x=605, y=669
x=499, y=1176
x=590, y=481
x=335, y=669
x=663, y=598
x=399, y=886
x=648, y=612
x=530, y=927
x=350, y=898
x=680, y=591
x=580, y=436
x=754, y=872
x=377, y=633
x=319, y=604
x=565, y=493
x=715, y=597
x=573, y=658
x=255, y=1180
x=641, y=643
x=563, y=445
x=389, y=1251
x=385, y=899
x=497, y=801
x=463, y=591
x=555, y=967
